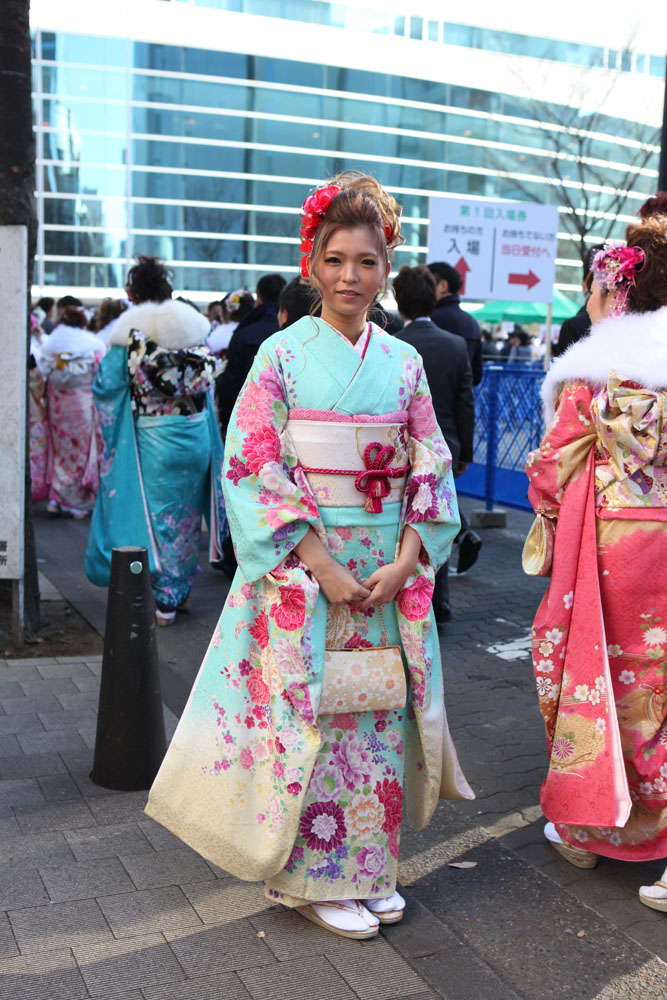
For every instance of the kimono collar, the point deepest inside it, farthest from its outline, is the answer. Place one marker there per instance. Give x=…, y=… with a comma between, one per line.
x=362, y=342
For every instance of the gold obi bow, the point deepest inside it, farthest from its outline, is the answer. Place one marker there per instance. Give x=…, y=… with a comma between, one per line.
x=630, y=422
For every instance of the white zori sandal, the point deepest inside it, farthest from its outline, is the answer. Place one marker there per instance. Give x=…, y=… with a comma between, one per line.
x=346, y=917
x=577, y=856
x=389, y=910
x=654, y=895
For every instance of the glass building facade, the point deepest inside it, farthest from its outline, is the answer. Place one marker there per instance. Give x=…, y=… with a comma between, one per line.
x=203, y=156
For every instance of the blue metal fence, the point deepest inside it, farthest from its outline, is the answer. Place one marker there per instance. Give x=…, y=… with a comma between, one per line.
x=508, y=425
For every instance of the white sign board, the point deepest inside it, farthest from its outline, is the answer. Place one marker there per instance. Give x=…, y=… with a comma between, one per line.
x=13, y=305
x=501, y=249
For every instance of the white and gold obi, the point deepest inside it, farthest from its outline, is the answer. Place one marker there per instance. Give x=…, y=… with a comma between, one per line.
x=352, y=461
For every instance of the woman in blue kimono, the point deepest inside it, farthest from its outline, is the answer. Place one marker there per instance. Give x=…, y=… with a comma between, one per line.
x=163, y=456
x=341, y=505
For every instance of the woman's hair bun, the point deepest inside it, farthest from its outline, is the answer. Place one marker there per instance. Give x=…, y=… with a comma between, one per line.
x=73, y=316
x=656, y=205
x=650, y=289
x=388, y=207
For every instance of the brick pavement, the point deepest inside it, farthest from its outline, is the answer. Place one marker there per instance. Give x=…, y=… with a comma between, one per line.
x=98, y=901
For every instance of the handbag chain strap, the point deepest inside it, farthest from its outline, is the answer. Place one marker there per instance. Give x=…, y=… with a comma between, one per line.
x=384, y=639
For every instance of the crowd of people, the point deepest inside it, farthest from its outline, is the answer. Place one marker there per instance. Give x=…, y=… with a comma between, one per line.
x=334, y=509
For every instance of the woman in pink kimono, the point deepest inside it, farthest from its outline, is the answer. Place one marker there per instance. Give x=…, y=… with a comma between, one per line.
x=600, y=634
x=341, y=504
x=68, y=361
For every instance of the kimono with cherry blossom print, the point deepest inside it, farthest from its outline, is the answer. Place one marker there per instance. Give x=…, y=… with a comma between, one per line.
x=600, y=634
x=255, y=778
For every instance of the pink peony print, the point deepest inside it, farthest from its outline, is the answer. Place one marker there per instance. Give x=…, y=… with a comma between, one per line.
x=353, y=760
x=371, y=861
x=323, y=826
x=327, y=783
x=260, y=629
x=421, y=421
x=290, y=612
x=345, y=722
x=260, y=447
x=257, y=688
x=393, y=840
x=271, y=383
x=390, y=794
x=421, y=498
x=254, y=408
x=237, y=470
x=246, y=759
x=415, y=601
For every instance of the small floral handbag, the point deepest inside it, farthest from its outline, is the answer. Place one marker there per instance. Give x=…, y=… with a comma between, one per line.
x=538, y=549
x=363, y=680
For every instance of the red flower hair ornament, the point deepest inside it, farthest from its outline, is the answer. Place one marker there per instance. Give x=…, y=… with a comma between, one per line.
x=315, y=207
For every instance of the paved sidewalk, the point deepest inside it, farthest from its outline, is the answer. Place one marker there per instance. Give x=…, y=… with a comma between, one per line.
x=100, y=901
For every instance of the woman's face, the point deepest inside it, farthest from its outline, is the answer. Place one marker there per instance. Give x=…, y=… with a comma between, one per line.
x=349, y=274
x=599, y=303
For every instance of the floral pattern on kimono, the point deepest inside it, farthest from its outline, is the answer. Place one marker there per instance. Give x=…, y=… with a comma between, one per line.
x=39, y=436
x=250, y=749
x=74, y=438
x=169, y=381
x=605, y=674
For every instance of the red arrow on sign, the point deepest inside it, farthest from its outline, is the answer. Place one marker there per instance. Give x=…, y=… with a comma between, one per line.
x=462, y=268
x=529, y=280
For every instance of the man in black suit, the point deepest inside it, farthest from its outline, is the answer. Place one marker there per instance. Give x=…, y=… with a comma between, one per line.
x=449, y=375
x=252, y=331
x=449, y=315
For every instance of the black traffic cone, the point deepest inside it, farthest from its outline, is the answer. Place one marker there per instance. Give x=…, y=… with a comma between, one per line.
x=130, y=741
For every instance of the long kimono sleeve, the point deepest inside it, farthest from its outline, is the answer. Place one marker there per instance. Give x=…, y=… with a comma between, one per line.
x=120, y=516
x=269, y=502
x=563, y=450
x=429, y=505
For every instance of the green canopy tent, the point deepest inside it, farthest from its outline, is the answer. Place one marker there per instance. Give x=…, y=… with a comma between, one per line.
x=526, y=312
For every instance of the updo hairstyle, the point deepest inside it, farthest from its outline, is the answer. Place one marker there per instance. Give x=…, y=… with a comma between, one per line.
x=414, y=291
x=149, y=281
x=650, y=289
x=72, y=316
x=656, y=205
x=362, y=201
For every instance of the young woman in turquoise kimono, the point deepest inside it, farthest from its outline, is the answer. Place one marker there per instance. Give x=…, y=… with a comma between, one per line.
x=341, y=504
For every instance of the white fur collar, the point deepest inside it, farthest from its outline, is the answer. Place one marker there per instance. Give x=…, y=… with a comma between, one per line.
x=633, y=345
x=171, y=324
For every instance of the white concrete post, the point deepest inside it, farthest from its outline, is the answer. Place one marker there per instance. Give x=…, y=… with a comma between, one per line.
x=13, y=303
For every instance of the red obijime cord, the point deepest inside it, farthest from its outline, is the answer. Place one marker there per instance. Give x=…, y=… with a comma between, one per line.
x=374, y=479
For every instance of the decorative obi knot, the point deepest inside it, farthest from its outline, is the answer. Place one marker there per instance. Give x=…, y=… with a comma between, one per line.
x=367, y=457
x=374, y=482
x=630, y=422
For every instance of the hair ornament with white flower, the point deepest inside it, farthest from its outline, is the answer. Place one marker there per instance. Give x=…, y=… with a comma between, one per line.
x=234, y=300
x=615, y=269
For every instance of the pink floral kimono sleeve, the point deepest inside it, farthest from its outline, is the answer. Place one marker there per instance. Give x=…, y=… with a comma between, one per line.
x=564, y=448
x=268, y=499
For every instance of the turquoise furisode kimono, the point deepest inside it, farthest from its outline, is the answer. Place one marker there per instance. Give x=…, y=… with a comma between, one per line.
x=160, y=473
x=255, y=779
